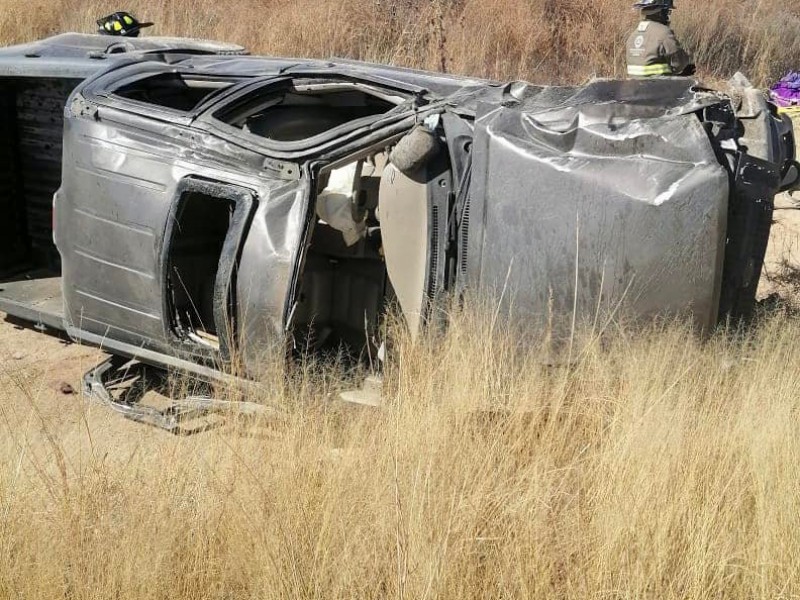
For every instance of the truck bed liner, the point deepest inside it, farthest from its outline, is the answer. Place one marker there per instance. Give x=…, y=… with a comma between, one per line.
x=34, y=296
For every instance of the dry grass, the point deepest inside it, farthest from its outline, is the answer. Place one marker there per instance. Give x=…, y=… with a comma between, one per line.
x=544, y=41
x=656, y=466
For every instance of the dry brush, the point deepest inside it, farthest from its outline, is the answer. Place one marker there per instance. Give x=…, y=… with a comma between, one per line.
x=544, y=41
x=655, y=465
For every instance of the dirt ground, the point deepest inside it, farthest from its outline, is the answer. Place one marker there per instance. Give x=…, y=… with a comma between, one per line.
x=41, y=374
x=41, y=401
x=781, y=273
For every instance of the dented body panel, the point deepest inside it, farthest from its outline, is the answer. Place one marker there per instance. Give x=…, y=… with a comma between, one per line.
x=189, y=220
x=618, y=210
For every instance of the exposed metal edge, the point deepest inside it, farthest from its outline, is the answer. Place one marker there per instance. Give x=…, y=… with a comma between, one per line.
x=39, y=318
x=155, y=359
x=170, y=419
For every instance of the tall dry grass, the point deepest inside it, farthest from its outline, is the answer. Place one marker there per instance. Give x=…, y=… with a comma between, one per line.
x=654, y=466
x=545, y=41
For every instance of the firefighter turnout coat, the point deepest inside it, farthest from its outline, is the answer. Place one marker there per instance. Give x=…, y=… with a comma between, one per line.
x=654, y=50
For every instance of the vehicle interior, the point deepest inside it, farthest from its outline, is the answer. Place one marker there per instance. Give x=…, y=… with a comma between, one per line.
x=178, y=91
x=31, y=122
x=369, y=248
x=344, y=283
x=300, y=110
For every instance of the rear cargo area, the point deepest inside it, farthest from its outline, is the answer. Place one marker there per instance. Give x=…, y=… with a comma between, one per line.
x=31, y=124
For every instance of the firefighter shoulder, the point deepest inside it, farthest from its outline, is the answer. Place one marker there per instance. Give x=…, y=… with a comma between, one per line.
x=654, y=50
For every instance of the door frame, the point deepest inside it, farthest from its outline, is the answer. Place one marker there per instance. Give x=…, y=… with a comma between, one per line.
x=244, y=201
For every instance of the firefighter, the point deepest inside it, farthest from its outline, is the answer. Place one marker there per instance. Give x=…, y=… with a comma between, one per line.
x=653, y=50
x=120, y=23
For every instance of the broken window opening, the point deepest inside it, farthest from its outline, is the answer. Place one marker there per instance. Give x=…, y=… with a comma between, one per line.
x=304, y=111
x=178, y=91
x=199, y=233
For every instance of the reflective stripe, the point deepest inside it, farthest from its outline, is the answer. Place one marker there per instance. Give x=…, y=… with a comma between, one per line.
x=649, y=70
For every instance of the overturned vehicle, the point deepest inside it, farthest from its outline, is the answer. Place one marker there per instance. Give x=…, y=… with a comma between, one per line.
x=201, y=205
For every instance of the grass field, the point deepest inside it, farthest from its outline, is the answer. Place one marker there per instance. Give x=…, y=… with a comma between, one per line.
x=655, y=465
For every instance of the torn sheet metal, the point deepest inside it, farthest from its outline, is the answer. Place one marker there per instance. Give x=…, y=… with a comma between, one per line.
x=122, y=385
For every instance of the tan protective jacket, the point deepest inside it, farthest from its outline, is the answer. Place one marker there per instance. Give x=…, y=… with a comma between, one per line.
x=654, y=50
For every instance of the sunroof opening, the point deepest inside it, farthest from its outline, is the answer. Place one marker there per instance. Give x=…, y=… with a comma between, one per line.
x=300, y=112
x=178, y=91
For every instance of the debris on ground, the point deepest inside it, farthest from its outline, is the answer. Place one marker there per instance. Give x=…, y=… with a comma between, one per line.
x=62, y=387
